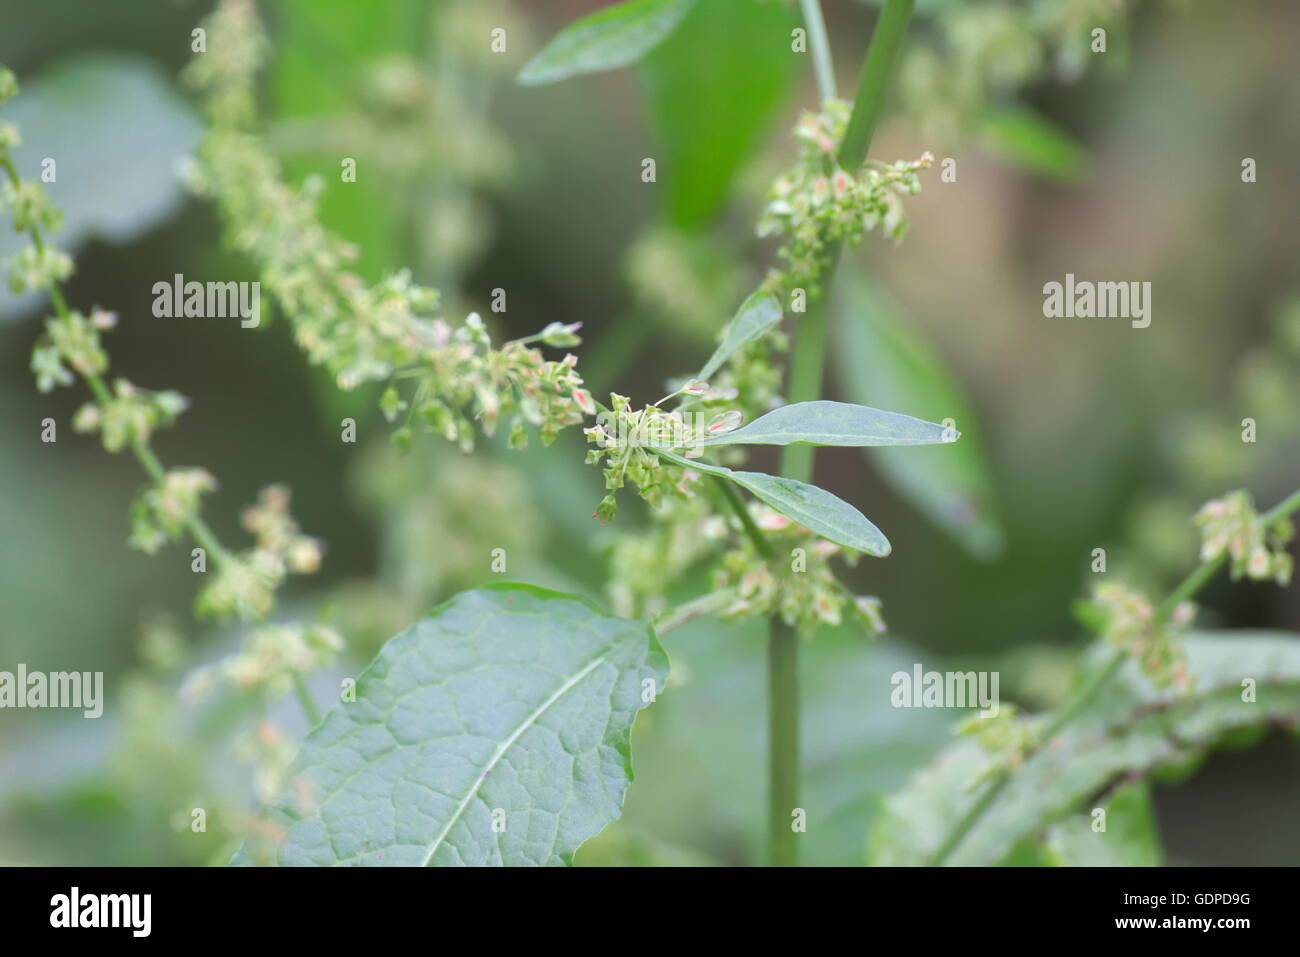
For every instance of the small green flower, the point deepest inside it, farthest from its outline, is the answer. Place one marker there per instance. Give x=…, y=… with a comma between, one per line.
x=48, y=367
x=1232, y=525
x=1129, y=624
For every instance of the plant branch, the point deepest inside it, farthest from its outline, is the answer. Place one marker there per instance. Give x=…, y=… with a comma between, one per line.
x=823, y=65
x=806, y=367
x=882, y=57
x=707, y=604
x=143, y=453
x=1188, y=587
x=746, y=520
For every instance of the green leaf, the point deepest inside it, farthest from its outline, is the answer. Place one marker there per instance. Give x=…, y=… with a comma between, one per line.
x=1034, y=142
x=1130, y=729
x=815, y=509
x=756, y=315
x=510, y=699
x=882, y=363
x=614, y=37
x=1131, y=838
x=714, y=89
x=834, y=423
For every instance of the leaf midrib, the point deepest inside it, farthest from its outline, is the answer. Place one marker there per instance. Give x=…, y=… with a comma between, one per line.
x=505, y=746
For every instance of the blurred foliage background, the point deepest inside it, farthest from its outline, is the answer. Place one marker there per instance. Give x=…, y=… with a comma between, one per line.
x=1124, y=166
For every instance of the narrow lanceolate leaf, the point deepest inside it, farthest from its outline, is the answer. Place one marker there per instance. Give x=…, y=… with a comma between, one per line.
x=881, y=361
x=1129, y=732
x=757, y=314
x=713, y=90
x=493, y=732
x=834, y=423
x=815, y=509
x=1031, y=140
x=614, y=37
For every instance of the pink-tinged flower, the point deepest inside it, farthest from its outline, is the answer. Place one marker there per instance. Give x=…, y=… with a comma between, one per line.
x=724, y=422
x=585, y=402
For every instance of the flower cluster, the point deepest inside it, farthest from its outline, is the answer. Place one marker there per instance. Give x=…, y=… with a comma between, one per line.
x=38, y=266
x=29, y=205
x=627, y=443
x=270, y=752
x=1129, y=623
x=1007, y=735
x=70, y=340
x=363, y=332
x=129, y=417
x=1232, y=525
x=462, y=375
x=819, y=203
x=804, y=591
x=126, y=417
x=268, y=659
x=644, y=561
x=245, y=584
x=162, y=512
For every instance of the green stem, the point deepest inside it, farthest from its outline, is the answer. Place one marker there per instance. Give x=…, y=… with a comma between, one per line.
x=305, y=699
x=1188, y=587
x=707, y=604
x=807, y=361
x=796, y=460
x=823, y=65
x=882, y=57
x=783, y=741
x=746, y=520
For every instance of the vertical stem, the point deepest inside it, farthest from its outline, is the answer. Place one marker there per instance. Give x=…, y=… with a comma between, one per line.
x=823, y=66
x=882, y=57
x=783, y=741
x=807, y=360
x=796, y=460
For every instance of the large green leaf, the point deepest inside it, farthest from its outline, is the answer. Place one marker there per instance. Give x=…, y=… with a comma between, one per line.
x=511, y=704
x=882, y=363
x=1129, y=730
x=614, y=37
x=714, y=88
x=824, y=422
x=756, y=315
x=815, y=509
